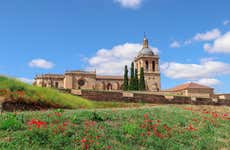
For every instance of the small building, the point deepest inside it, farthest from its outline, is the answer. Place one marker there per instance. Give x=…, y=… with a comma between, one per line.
x=193, y=90
x=223, y=96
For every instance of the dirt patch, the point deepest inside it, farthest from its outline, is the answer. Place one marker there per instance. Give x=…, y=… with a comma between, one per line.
x=19, y=105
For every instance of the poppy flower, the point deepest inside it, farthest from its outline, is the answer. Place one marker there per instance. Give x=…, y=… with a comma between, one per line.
x=146, y=116
x=191, y=128
x=83, y=140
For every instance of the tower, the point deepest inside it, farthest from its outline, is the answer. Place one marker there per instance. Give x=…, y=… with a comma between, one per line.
x=150, y=62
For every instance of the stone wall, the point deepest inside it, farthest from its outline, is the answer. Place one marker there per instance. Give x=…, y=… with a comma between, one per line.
x=121, y=96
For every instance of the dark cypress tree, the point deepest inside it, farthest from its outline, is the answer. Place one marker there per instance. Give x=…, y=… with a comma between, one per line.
x=126, y=79
x=136, y=80
x=132, y=80
x=142, y=80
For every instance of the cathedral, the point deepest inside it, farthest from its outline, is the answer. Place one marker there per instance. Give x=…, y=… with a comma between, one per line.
x=90, y=80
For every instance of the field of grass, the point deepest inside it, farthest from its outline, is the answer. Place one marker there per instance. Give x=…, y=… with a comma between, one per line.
x=156, y=127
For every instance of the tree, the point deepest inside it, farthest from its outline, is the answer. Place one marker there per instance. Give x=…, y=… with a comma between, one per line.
x=126, y=79
x=142, y=80
x=132, y=80
x=136, y=80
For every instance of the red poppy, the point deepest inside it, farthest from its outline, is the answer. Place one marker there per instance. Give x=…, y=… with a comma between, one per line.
x=215, y=115
x=167, y=128
x=191, y=128
x=38, y=123
x=148, y=133
x=83, y=140
x=146, y=116
x=58, y=114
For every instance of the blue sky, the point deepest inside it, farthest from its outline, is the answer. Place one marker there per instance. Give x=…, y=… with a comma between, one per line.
x=51, y=36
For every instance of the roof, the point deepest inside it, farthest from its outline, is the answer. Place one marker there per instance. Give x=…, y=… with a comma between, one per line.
x=110, y=77
x=190, y=85
x=49, y=76
x=146, y=51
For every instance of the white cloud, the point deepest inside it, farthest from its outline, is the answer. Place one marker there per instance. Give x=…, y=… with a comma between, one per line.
x=129, y=3
x=112, y=61
x=26, y=80
x=226, y=22
x=41, y=63
x=175, y=44
x=207, y=36
x=220, y=45
x=208, y=81
x=206, y=69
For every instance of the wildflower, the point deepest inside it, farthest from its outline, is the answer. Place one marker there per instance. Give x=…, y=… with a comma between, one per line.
x=57, y=114
x=109, y=147
x=65, y=124
x=191, y=128
x=97, y=137
x=205, y=112
x=215, y=115
x=146, y=116
x=83, y=140
x=38, y=123
x=189, y=108
x=225, y=115
x=148, y=133
x=167, y=128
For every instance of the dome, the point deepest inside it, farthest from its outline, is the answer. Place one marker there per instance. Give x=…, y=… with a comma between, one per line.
x=146, y=50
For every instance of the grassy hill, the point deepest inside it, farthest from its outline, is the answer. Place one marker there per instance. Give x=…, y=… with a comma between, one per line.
x=159, y=127
x=15, y=90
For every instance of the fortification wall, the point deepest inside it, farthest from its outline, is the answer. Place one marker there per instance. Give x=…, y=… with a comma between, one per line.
x=120, y=96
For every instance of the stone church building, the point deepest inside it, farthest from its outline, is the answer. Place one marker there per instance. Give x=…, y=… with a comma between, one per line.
x=90, y=80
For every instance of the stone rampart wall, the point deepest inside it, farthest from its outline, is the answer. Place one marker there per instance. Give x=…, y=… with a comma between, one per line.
x=121, y=96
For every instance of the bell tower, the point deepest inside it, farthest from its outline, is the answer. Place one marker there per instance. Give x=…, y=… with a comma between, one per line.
x=150, y=62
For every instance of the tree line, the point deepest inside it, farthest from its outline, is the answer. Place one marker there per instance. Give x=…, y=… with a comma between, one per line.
x=133, y=83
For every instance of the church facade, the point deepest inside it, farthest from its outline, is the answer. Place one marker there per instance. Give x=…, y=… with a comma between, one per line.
x=77, y=79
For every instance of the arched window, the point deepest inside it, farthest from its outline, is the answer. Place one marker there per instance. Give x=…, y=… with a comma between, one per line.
x=109, y=86
x=56, y=84
x=146, y=65
x=153, y=65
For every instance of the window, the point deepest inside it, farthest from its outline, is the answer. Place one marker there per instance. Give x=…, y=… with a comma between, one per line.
x=146, y=65
x=56, y=84
x=153, y=65
x=81, y=82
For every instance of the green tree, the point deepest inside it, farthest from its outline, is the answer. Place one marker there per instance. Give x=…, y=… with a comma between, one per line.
x=126, y=79
x=132, y=80
x=142, y=80
x=136, y=80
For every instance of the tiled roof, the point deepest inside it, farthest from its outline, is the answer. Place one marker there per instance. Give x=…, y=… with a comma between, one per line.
x=110, y=77
x=189, y=85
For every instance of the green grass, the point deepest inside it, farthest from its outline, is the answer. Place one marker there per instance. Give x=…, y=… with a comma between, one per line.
x=176, y=128
x=44, y=95
x=51, y=96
